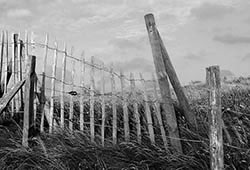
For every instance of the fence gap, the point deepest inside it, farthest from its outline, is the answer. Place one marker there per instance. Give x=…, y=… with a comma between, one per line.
x=215, y=117
x=103, y=105
x=92, y=101
x=135, y=106
x=53, y=89
x=29, y=94
x=82, y=92
x=147, y=111
x=124, y=107
x=114, y=111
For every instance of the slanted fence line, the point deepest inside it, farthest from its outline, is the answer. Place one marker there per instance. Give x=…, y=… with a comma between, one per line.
x=110, y=106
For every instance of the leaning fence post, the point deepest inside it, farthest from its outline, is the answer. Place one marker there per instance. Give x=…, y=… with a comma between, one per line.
x=53, y=90
x=215, y=117
x=7, y=67
x=1, y=60
x=147, y=111
x=160, y=55
x=125, y=107
x=29, y=94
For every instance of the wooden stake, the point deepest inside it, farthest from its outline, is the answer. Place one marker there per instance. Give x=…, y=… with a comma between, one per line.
x=64, y=65
x=43, y=97
x=82, y=93
x=135, y=106
x=158, y=114
x=71, y=109
x=103, y=106
x=113, y=92
x=92, y=114
x=1, y=60
x=53, y=89
x=147, y=112
x=7, y=65
x=20, y=54
x=215, y=136
x=29, y=94
x=161, y=56
x=125, y=108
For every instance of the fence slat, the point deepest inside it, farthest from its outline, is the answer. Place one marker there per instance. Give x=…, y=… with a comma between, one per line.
x=82, y=92
x=147, y=111
x=135, y=106
x=64, y=65
x=92, y=114
x=13, y=55
x=114, y=111
x=124, y=107
x=43, y=97
x=29, y=94
x=215, y=117
x=71, y=107
x=158, y=113
x=53, y=89
x=19, y=56
x=103, y=105
x=7, y=67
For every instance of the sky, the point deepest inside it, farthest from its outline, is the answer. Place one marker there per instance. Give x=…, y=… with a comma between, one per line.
x=196, y=33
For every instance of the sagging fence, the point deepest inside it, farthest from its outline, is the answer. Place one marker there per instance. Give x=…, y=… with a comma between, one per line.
x=59, y=95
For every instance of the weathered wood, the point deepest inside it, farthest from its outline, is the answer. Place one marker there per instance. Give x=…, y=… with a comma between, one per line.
x=124, y=107
x=160, y=55
x=7, y=67
x=92, y=101
x=14, y=103
x=114, y=111
x=82, y=92
x=64, y=65
x=42, y=88
x=1, y=59
x=71, y=102
x=7, y=97
x=147, y=111
x=158, y=115
x=215, y=117
x=19, y=56
x=29, y=96
x=135, y=106
x=53, y=90
x=103, y=105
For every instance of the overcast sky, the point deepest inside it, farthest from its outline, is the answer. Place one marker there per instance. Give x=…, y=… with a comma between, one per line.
x=196, y=33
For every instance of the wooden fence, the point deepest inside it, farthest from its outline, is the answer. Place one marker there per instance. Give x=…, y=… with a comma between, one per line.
x=65, y=91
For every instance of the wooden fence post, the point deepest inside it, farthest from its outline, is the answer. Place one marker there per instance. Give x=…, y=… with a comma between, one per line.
x=160, y=55
x=29, y=94
x=71, y=108
x=7, y=68
x=20, y=55
x=14, y=104
x=63, y=86
x=147, y=111
x=114, y=111
x=125, y=108
x=53, y=90
x=215, y=117
x=92, y=101
x=103, y=105
x=1, y=60
x=82, y=92
x=43, y=97
x=159, y=117
x=135, y=106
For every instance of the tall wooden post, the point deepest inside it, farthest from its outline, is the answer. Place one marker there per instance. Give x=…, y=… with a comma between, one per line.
x=103, y=105
x=160, y=55
x=71, y=108
x=114, y=111
x=29, y=94
x=92, y=102
x=1, y=60
x=215, y=117
x=168, y=110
